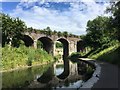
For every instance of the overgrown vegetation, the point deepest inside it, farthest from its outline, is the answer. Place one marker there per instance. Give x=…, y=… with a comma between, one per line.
x=103, y=36
x=23, y=56
x=49, y=32
x=12, y=30
x=14, y=52
x=111, y=55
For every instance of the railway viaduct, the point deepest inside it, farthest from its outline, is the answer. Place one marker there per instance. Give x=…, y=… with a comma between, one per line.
x=70, y=44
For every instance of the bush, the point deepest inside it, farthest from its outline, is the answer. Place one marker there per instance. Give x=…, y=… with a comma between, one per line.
x=74, y=56
x=23, y=56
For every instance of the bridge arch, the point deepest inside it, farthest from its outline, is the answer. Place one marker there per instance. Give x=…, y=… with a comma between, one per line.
x=65, y=43
x=28, y=40
x=80, y=45
x=47, y=44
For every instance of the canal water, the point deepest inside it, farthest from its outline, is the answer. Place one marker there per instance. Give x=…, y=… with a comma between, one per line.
x=55, y=76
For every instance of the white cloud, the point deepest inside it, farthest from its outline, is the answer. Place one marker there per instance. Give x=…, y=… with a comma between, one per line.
x=74, y=20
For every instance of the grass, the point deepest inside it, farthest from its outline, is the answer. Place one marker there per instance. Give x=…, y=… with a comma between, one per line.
x=23, y=56
x=111, y=55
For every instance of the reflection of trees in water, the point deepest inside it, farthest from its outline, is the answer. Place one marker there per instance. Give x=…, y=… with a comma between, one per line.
x=47, y=76
x=71, y=74
x=85, y=69
x=81, y=68
x=21, y=78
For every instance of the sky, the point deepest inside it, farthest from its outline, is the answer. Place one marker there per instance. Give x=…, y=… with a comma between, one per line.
x=59, y=15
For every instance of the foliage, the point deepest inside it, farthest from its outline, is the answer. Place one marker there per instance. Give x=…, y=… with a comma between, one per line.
x=59, y=45
x=103, y=34
x=54, y=32
x=97, y=32
x=111, y=54
x=39, y=44
x=57, y=57
x=12, y=29
x=65, y=34
x=59, y=34
x=73, y=35
x=74, y=56
x=115, y=22
x=100, y=52
x=48, y=31
x=23, y=56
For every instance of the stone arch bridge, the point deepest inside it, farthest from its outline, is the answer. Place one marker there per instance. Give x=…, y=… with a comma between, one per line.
x=70, y=44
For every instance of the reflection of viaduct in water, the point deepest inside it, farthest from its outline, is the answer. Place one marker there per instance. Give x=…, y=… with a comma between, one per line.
x=48, y=79
x=70, y=44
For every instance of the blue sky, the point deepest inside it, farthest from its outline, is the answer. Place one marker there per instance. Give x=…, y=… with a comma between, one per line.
x=9, y=6
x=61, y=16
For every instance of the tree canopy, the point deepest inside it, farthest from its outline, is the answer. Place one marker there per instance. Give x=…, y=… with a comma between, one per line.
x=102, y=30
x=115, y=22
x=12, y=29
x=97, y=32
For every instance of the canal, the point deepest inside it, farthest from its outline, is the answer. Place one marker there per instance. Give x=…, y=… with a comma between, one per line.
x=55, y=76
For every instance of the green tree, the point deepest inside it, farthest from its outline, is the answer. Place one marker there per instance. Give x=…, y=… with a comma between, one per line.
x=59, y=45
x=97, y=32
x=48, y=31
x=59, y=34
x=115, y=23
x=54, y=32
x=65, y=34
x=30, y=29
x=39, y=44
x=12, y=29
x=70, y=35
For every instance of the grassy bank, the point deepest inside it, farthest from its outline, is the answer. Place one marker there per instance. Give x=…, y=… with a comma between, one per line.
x=23, y=56
x=111, y=55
